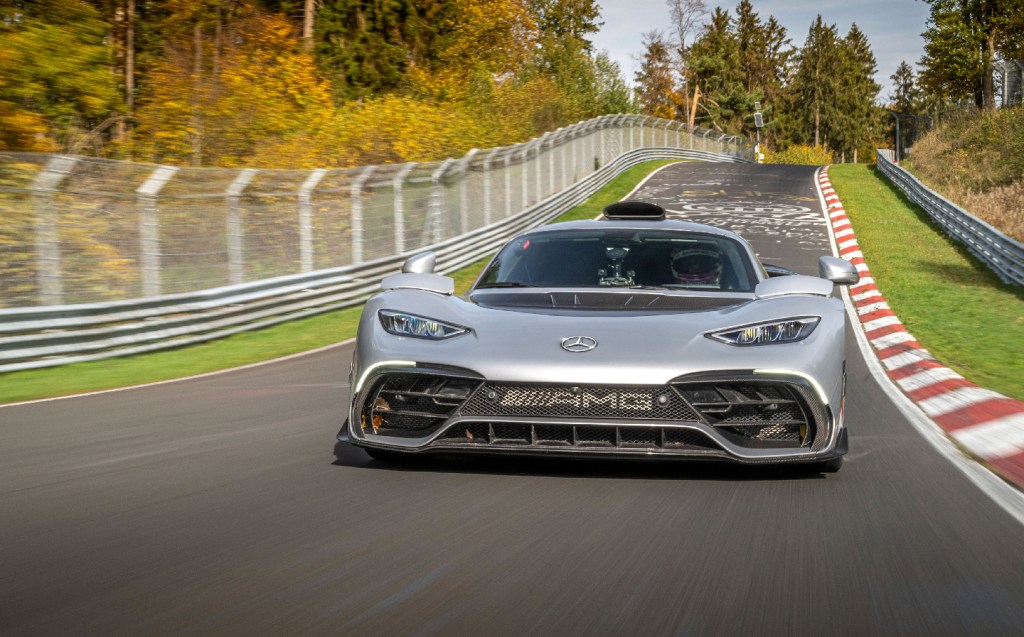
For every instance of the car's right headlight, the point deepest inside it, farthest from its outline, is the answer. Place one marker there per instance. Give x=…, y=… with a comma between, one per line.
x=405, y=324
x=767, y=333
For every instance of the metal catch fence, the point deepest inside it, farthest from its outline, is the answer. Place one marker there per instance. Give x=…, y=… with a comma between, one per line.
x=34, y=337
x=85, y=230
x=1002, y=254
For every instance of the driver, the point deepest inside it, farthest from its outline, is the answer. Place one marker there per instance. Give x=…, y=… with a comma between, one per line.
x=697, y=265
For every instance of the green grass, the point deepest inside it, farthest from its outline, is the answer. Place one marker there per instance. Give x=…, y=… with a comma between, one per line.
x=251, y=347
x=955, y=306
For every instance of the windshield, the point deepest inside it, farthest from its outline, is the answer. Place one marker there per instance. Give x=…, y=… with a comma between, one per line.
x=622, y=258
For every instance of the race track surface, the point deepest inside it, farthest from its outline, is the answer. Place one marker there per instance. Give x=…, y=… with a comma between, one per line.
x=217, y=506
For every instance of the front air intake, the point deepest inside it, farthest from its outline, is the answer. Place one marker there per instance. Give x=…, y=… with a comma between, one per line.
x=754, y=413
x=413, y=403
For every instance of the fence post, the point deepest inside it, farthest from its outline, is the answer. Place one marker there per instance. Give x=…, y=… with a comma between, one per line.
x=306, y=217
x=149, y=228
x=551, y=162
x=573, y=155
x=508, y=184
x=397, y=185
x=235, y=231
x=356, y=194
x=488, y=204
x=464, y=190
x=538, y=168
x=563, y=155
x=47, y=233
x=525, y=174
x=437, y=201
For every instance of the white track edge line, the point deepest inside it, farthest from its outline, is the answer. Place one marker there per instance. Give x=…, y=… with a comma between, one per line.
x=1002, y=493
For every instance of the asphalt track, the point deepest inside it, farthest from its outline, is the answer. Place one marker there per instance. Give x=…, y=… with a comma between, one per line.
x=216, y=506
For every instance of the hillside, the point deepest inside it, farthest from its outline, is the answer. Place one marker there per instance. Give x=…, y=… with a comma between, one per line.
x=977, y=161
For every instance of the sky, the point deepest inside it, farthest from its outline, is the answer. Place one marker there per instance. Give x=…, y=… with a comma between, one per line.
x=893, y=27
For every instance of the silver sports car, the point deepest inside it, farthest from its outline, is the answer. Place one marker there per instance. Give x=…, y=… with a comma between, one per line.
x=627, y=336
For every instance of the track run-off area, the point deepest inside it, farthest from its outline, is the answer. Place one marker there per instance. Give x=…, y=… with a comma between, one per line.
x=221, y=505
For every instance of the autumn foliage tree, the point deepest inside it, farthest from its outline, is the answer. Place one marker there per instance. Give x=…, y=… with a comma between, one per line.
x=55, y=83
x=295, y=83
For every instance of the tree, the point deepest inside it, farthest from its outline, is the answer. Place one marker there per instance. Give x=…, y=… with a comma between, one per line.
x=716, y=67
x=816, y=84
x=962, y=41
x=765, y=53
x=613, y=94
x=368, y=46
x=567, y=19
x=655, y=86
x=55, y=80
x=857, y=94
x=905, y=95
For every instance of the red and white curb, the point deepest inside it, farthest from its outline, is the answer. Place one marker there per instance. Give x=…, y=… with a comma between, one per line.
x=985, y=423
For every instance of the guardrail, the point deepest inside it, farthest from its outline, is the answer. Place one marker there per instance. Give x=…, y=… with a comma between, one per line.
x=36, y=337
x=1002, y=254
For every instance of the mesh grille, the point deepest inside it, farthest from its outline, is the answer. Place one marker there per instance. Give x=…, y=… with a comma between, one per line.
x=580, y=436
x=675, y=438
x=540, y=401
x=778, y=433
x=512, y=434
x=595, y=436
x=554, y=435
x=407, y=403
x=639, y=437
x=759, y=411
x=742, y=414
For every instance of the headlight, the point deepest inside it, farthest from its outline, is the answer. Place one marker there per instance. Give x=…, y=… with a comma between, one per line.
x=786, y=331
x=403, y=324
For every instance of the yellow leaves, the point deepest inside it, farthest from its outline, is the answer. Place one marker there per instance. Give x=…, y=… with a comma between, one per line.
x=801, y=154
x=265, y=104
x=395, y=129
x=495, y=34
x=21, y=129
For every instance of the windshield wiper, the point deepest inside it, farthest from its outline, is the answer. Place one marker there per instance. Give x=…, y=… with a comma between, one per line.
x=505, y=284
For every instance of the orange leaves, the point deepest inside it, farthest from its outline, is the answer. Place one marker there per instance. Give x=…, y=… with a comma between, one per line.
x=395, y=129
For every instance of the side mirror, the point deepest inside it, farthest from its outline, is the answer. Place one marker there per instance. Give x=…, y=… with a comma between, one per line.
x=838, y=270
x=422, y=263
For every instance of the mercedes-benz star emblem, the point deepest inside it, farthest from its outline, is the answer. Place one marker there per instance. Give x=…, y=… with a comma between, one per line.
x=577, y=344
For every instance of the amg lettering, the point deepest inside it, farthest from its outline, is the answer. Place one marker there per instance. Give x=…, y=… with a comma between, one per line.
x=583, y=401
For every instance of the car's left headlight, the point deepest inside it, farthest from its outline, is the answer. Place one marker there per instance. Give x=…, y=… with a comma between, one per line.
x=405, y=324
x=784, y=331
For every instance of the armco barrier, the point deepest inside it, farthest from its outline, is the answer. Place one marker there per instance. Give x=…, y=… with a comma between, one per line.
x=1000, y=253
x=56, y=335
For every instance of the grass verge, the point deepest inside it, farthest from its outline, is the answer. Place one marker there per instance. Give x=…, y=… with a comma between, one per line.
x=955, y=306
x=252, y=347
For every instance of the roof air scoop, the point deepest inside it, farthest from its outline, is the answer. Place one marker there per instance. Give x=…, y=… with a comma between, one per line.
x=634, y=210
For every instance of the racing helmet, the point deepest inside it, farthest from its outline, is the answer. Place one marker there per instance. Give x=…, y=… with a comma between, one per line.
x=697, y=265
